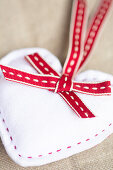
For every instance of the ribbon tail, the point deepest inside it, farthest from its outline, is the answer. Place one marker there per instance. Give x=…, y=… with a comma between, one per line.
x=76, y=104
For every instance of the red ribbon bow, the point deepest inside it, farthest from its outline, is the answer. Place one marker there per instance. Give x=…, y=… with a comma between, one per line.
x=63, y=84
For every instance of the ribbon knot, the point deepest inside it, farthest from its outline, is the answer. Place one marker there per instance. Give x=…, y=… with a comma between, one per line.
x=64, y=84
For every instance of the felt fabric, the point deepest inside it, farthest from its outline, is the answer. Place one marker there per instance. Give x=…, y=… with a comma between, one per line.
x=95, y=63
x=33, y=116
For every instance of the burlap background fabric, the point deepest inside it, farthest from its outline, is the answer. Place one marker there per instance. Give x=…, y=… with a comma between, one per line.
x=45, y=23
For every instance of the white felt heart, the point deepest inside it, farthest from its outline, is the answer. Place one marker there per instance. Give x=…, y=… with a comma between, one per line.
x=38, y=127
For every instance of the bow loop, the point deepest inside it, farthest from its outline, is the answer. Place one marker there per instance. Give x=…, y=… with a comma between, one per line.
x=101, y=88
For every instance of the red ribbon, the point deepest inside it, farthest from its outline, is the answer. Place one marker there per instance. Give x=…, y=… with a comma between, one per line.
x=63, y=84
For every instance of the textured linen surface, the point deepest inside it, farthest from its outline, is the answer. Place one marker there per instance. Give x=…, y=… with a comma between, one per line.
x=26, y=26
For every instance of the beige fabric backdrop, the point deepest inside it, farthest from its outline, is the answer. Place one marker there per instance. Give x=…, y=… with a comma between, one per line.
x=45, y=23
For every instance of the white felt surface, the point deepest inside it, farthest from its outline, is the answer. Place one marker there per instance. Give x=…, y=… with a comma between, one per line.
x=41, y=123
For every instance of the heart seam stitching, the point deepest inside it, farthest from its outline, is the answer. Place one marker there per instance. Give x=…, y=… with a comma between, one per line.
x=50, y=153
